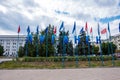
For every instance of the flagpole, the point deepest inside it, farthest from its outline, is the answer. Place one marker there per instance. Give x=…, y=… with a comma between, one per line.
x=108, y=43
x=76, y=47
x=46, y=45
x=37, y=47
x=89, y=53
x=88, y=46
x=17, y=46
x=63, y=49
x=28, y=30
x=113, y=63
x=37, y=32
x=83, y=46
x=27, y=46
x=101, y=55
x=92, y=44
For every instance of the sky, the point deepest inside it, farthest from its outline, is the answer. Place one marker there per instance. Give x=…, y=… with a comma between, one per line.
x=44, y=12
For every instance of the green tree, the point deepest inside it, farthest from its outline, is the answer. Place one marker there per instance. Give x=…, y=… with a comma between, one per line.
x=32, y=47
x=83, y=46
x=106, y=48
x=1, y=50
x=67, y=48
x=96, y=49
x=21, y=51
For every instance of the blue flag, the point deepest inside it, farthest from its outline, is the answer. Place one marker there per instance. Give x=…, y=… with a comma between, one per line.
x=30, y=38
x=42, y=37
x=87, y=39
x=61, y=26
x=108, y=28
x=37, y=30
x=75, y=39
x=74, y=27
x=98, y=29
x=81, y=31
x=53, y=39
x=46, y=30
x=28, y=29
x=65, y=39
x=26, y=39
x=119, y=27
x=97, y=39
x=78, y=39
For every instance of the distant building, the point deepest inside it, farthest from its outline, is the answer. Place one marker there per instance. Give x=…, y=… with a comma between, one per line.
x=116, y=40
x=11, y=43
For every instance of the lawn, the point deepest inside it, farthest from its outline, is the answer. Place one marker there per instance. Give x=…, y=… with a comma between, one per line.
x=56, y=65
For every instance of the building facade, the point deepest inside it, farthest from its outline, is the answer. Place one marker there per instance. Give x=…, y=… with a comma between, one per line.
x=11, y=43
x=116, y=40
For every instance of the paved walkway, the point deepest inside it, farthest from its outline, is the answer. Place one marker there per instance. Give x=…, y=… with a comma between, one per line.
x=62, y=74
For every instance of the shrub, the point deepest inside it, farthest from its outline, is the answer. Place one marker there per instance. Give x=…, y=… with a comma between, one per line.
x=70, y=58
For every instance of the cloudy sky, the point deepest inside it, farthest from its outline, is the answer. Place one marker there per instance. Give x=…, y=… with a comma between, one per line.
x=44, y=12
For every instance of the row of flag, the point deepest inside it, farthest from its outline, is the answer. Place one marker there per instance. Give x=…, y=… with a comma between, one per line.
x=74, y=28
x=37, y=30
x=73, y=31
x=103, y=31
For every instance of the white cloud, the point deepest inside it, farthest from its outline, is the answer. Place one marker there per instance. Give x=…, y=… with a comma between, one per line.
x=42, y=12
x=3, y=9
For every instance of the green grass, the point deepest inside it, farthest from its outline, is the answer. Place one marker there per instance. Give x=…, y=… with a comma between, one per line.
x=55, y=65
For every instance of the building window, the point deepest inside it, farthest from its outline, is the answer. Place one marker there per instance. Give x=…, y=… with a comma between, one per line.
x=14, y=43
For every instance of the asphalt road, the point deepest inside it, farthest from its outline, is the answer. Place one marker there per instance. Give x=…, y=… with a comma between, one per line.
x=61, y=74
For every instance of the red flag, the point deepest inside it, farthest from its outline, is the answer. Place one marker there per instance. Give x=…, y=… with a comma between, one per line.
x=54, y=30
x=86, y=27
x=91, y=30
x=104, y=31
x=19, y=29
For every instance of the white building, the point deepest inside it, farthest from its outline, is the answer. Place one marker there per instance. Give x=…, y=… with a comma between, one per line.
x=11, y=43
x=116, y=40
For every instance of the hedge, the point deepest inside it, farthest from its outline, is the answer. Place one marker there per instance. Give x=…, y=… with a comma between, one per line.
x=67, y=58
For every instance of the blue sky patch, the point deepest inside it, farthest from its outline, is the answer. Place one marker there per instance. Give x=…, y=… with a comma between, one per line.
x=61, y=12
x=109, y=19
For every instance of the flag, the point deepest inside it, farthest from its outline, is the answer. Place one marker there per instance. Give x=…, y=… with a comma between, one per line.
x=81, y=31
x=91, y=30
x=30, y=38
x=61, y=26
x=103, y=31
x=119, y=27
x=86, y=27
x=75, y=39
x=78, y=39
x=46, y=30
x=42, y=37
x=97, y=39
x=55, y=30
x=19, y=29
x=37, y=30
x=108, y=28
x=87, y=39
x=74, y=27
x=98, y=29
x=28, y=29
x=26, y=39
x=65, y=39
x=53, y=39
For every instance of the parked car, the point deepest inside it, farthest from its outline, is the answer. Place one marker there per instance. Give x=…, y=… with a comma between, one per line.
x=117, y=55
